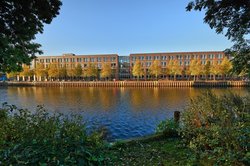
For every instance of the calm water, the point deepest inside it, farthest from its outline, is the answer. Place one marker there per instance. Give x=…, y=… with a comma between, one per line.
x=125, y=112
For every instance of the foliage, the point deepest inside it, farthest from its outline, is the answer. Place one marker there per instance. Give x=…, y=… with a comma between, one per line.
x=12, y=74
x=137, y=70
x=168, y=127
x=91, y=71
x=217, y=128
x=106, y=70
x=233, y=17
x=63, y=71
x=53, y=70
x=225, y=66
x=174, y=68
x=40, y=70
x=155, y=68
x=241, y=58
x=38, y=138
x=20, y=21
x=207, y=69
x=215, y=69
x=195, y=67
x=78, y=70
x=26, y=71
x=225, y=15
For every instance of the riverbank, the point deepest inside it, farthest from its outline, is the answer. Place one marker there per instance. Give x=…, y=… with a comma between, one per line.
x=153, y=150
x=162, y=83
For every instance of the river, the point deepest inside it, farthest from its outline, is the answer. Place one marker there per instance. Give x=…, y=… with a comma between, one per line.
x=124, y=112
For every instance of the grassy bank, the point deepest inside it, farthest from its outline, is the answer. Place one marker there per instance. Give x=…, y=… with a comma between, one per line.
x=153, y=151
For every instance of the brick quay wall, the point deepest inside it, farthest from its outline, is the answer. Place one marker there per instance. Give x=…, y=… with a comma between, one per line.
x=131, y=84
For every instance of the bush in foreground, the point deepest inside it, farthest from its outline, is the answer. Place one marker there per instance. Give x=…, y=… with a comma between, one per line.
x=217, y=128
x=41, y=139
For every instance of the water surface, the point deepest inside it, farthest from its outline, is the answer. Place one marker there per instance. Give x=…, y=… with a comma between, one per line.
x=125, y=112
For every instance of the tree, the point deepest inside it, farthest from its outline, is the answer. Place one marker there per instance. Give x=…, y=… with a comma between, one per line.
x=207, y=69
x=63, y=72
x=91, y=71
x=78, y=70
x=215, y=69
x=232, y=16
x=20, y=21
x=195, y=68
x=106, y=70
x=225, y=66
x=26, y=72
x=40, y=71
x=155, y=68
x=137, y=69
x=53, y=71
x=174, y=68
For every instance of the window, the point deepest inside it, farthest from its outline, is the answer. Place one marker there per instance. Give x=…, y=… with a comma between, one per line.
x=99, y=59
x=47, y=60
x=92, y=59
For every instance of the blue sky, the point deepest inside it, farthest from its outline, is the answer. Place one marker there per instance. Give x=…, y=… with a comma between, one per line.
x=128, y=26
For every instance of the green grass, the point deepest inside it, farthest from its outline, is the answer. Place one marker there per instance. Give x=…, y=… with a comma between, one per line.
x=155, y=151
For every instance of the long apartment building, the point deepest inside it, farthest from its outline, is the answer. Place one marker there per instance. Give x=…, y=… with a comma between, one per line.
x=122, y=65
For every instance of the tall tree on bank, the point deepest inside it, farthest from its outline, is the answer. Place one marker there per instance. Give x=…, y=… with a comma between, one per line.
x=233, y=18
x=215, y=69
x=207, y=69
x=53, y=71
x=225, y=67
x=137, y=70
x=174, y=68
x=40, y=71
x=195, y=68
x=106, y=70
x=91, y=71
x=20, y=21
x=155, y=69
x=78, y=71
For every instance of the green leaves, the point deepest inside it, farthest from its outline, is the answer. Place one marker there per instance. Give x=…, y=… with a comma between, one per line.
x=20, y=21
x=217, y=128
x=40, y=138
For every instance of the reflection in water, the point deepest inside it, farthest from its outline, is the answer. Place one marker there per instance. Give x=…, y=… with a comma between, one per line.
x=126, y=112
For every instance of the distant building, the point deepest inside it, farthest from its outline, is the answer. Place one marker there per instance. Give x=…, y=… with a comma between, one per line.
x=122, y=65
x=71, y=60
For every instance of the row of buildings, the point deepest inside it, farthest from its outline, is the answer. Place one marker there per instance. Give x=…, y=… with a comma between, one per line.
x=122, y=65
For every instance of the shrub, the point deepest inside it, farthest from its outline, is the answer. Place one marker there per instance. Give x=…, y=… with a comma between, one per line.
x=37, y=138
x=217, y=128
x=168, y=127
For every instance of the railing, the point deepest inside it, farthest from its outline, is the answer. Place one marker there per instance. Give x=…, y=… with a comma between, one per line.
x=131, y=84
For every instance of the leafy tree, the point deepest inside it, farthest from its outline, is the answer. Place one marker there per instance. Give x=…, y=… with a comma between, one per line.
x=26, y=72
x=225, y=66
x=174, y=68
x=53, y=70
x=207, y=69
x=91, y=71
x=63, y=72
x=20, y=21
x=106, y=70
x=12, y=74
x=155, y=69
x=215, y=69
x=78, y=70
x=40, y=71
x=232, y=16
x=137, y=69
x=195, y=68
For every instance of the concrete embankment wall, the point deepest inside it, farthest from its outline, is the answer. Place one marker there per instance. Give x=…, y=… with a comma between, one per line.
x=132, y=84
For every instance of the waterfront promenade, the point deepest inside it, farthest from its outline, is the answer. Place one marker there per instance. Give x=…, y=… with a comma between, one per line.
x=130, y=84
